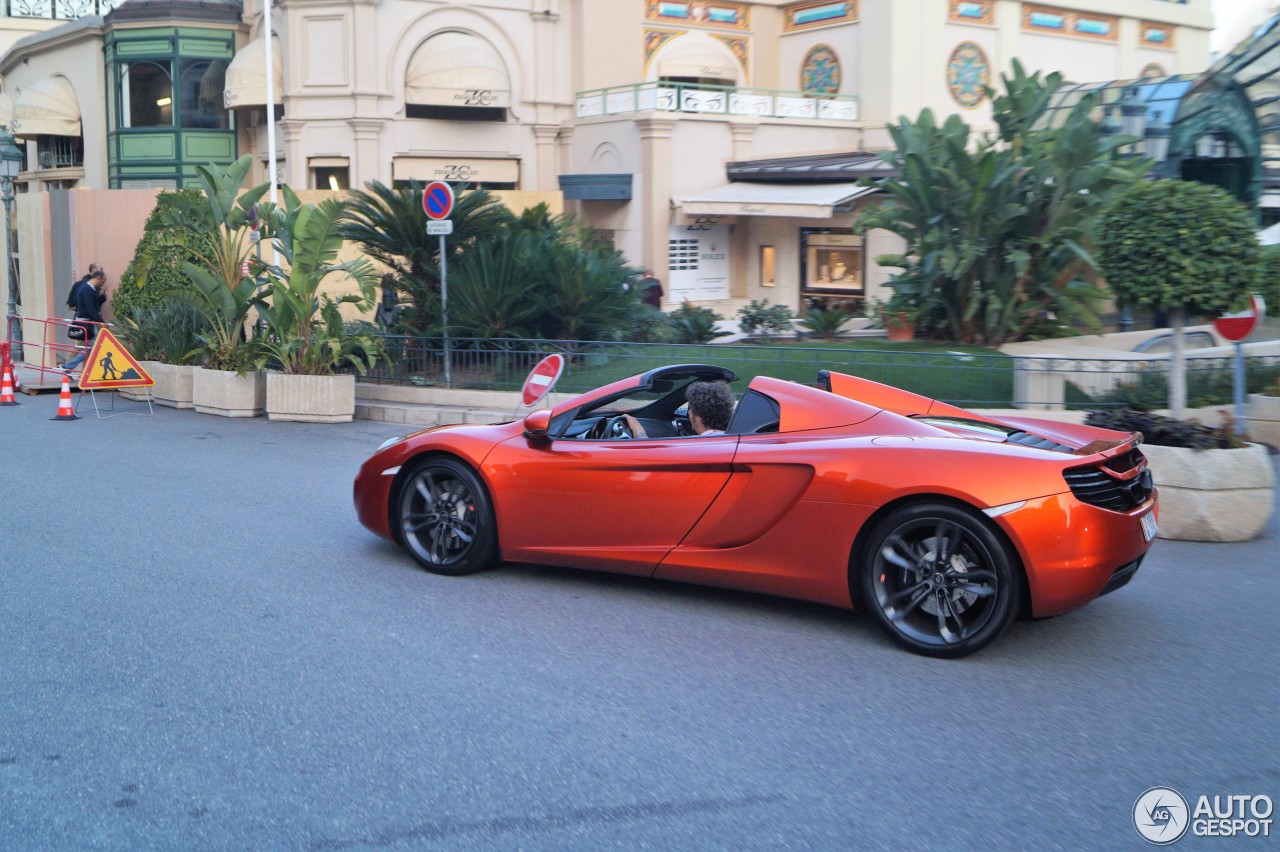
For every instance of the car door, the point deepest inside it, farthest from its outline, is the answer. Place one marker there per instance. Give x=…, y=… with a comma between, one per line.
x=617, y=505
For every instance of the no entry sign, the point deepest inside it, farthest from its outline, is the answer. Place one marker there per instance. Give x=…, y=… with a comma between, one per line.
x=542, y=379
x=1237, y=327
x=437, y=200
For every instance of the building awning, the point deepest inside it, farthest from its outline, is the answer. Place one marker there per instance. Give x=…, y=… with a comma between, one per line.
x=457, y=69
x=6, y=109
x=802, y=201
x=47, y=107
x=596, y=187
x=696, y=59
x=246, y=76
x=461, y=169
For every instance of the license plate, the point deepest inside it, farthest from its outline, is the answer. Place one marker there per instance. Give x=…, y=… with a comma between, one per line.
x=1149, y=529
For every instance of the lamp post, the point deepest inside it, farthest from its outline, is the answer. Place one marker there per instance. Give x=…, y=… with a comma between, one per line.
x=10, y=164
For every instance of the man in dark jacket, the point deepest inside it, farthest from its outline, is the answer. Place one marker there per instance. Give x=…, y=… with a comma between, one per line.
x=89, y=300
x=75, y=287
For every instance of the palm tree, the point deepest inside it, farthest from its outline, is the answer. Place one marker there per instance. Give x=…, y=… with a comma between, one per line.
x=390, y=225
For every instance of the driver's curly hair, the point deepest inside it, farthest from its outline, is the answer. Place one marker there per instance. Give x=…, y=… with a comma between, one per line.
x=713, y=401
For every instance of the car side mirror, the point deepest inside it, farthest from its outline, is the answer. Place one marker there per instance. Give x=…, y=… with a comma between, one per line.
x=536, y=424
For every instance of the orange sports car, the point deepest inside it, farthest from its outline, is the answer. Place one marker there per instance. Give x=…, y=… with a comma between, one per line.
x=944, y=524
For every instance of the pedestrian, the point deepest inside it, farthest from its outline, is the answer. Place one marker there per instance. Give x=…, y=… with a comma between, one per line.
x=75, y=286
x=90, y=296
x=650, y=290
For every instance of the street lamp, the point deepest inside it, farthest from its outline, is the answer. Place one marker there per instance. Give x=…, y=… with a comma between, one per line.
x=10, y=164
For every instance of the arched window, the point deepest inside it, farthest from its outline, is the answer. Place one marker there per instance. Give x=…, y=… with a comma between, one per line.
x=147, y=90
x=200, y=86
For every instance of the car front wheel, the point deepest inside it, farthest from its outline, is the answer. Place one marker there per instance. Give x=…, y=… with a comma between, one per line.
x=938, y=580
x=445, y=518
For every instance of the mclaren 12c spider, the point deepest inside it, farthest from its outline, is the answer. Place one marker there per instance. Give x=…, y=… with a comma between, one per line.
x=943, y=524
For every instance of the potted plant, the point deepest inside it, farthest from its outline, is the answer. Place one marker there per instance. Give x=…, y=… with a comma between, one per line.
x=166, y=339
x=305, y=339
x=1213, y=485
x=214, y=228
x=1263, y=413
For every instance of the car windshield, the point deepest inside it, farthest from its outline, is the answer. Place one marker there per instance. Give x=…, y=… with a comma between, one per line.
x=638, y=400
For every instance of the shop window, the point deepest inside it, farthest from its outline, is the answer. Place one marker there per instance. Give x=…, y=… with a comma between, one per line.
x=831, y=262
x=148, y=94
x=335, y=178
x=768, y=266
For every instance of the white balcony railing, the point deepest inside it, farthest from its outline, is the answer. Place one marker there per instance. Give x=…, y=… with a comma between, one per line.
x=715, y=100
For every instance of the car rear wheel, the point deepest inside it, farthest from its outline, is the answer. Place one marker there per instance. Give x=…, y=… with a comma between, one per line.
x=445, y=518
x=938, y=580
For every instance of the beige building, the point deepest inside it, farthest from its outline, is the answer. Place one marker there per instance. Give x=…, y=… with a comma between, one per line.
x=717, y=143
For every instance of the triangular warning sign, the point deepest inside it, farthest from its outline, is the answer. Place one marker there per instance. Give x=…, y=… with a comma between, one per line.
x=111, y=366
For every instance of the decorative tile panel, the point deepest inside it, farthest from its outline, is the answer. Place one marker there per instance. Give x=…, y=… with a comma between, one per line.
x=801, y=16
x=1048, y=19
x=739, y=47
x=653, y=42
x=735, y=15
x=968, y=74
x=820, y=71
x=972, y=11
x=1157, y=35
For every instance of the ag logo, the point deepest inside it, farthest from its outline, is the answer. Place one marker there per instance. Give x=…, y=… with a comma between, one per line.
x=1161, y=815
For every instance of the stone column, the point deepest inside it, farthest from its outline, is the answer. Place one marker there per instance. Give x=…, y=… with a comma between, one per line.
x=744, y=132
x=655, y=192
x=292, y=165
x=546, y=168
x=367, y=165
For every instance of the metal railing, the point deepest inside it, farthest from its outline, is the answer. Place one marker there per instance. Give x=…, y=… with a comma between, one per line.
x=707, y=99
x=58, y=10
x=976, y=380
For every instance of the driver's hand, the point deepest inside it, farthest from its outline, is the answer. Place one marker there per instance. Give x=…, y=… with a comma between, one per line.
x=633, y=425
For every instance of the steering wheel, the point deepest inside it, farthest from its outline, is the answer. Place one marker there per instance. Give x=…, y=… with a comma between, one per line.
x=610, y=428
x=617, y=427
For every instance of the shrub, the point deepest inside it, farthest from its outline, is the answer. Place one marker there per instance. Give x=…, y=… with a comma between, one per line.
x=823, y=320
x=170, y=332
x=764, y=320
x=163, y=258
x=1165, y=431
x=691, y=324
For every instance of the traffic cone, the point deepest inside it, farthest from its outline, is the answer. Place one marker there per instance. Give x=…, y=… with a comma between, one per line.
x=65, y=409
x=6, y=389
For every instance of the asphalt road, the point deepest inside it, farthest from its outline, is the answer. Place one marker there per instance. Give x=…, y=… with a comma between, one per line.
x=200, y=648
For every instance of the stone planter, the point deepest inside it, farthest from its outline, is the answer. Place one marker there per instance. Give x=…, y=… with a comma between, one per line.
x=1263, y=417
x=140, y=394
x=172, y=386
x=1212, y=495
x=311, y=399
x=227, y=394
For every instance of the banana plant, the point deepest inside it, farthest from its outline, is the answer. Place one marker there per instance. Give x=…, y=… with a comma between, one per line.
x=305, y=332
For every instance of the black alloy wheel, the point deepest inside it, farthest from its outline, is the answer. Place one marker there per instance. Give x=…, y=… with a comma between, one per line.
x=446, y=519
x=939, y=581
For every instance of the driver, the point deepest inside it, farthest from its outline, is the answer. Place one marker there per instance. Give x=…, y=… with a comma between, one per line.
x=710, y=407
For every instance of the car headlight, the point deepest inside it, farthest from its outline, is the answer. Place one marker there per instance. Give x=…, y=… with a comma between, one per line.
x=391, y=442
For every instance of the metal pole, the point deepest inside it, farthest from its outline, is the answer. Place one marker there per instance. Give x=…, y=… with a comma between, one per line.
x=271, y=117
x=1239, y=388
x=15, y=324
x=444, y=312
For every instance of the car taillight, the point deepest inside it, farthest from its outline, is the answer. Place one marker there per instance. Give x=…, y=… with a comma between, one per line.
x=1120, y=483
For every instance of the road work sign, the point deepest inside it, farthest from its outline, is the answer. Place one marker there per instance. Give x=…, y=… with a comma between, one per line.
x=111, y=366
